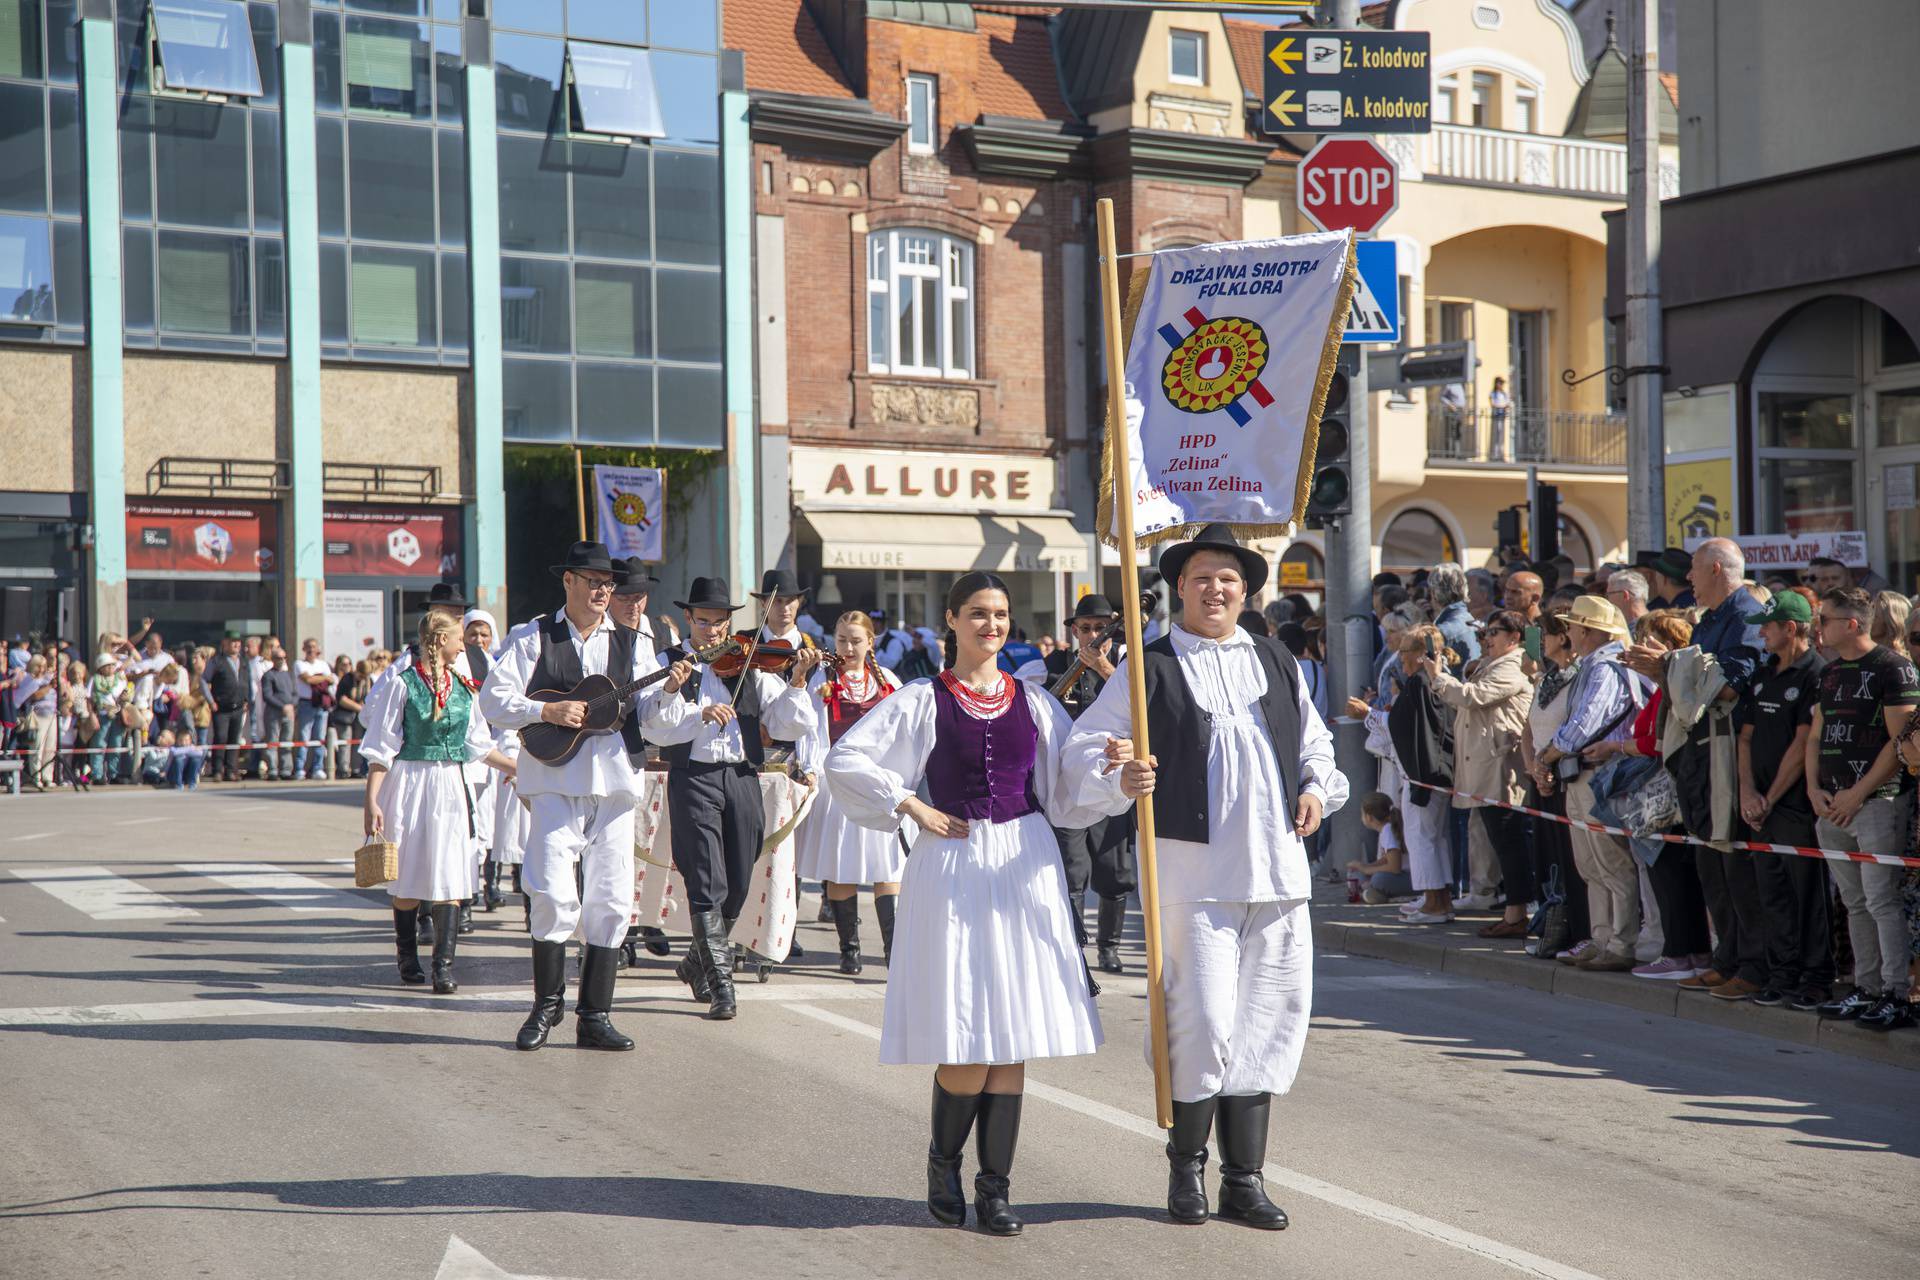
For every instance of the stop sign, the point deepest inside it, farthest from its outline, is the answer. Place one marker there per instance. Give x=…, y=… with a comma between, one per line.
x=1347, y=182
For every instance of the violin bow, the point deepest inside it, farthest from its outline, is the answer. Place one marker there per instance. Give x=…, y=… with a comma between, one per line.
x=746, y=666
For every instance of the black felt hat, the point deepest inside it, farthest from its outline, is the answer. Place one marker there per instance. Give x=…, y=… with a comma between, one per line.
x=1216, y=537
x=446, y=595
x=1673, y=562
x=708, y=593
x=1094, y=605
x=631, y=577
x=582, y=556
x=779, y=582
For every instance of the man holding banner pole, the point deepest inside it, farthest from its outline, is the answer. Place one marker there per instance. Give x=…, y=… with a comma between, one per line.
x=1214, y=405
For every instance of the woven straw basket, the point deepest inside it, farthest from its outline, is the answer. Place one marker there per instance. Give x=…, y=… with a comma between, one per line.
x=376, y=863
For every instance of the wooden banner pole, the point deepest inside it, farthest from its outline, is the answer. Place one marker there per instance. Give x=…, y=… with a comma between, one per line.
x=1137, y=677
x=580, y=490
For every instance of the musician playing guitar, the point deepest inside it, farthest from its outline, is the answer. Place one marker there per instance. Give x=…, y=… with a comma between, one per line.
x=581, y=805
x=709, y=731
x=1103, y=853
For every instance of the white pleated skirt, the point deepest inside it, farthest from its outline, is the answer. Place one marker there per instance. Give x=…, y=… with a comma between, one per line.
x=512, y=824
x=425, y=805
x=833, y=848
x=985, y=968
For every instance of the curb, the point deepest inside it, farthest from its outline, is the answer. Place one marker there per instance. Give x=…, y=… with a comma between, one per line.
x=1468, y=956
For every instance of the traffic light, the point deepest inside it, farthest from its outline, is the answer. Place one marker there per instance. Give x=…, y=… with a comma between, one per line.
x=1331, y=495
x=1506, y=530
x=1545, y=542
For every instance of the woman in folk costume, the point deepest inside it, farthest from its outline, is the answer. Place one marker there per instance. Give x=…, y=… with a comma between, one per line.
x=421, y=733
x=833, y=848
x=480, y=630
x=986, y=973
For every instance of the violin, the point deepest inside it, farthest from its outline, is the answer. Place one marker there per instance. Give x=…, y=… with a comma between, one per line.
x=772, y=656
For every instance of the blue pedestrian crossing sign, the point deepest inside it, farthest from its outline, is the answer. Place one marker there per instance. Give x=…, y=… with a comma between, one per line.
x=1376, y=303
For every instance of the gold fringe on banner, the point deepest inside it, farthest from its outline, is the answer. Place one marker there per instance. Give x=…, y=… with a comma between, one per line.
x=1310, y=439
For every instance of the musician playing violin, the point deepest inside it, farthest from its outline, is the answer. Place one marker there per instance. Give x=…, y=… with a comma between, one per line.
x=1100, y=855
x=581, y=808
x=709, y=728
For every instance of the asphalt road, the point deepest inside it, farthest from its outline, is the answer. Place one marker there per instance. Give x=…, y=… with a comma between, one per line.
x=211, y=1070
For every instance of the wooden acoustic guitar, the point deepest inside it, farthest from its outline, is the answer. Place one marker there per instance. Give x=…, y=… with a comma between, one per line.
x=607, y=706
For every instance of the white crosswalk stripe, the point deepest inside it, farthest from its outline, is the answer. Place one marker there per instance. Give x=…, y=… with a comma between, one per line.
x=262, y=880
x=97, y=892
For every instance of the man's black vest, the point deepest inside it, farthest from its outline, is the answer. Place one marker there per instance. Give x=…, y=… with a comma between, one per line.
x=680, y=755
x=1180, y=734
x=559, y=668
x=1081, y=693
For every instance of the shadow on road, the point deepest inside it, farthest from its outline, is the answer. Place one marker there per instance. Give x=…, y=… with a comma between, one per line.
x=713, y=1203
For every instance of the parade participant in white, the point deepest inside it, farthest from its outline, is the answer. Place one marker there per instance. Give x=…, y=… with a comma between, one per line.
x=582, y=810
x=629, y=608
x=712, y=743
x=986, y=973
x=444, y=598
x=834, y=850
x=1247, y=771
x=421, y=733
x=781, y=597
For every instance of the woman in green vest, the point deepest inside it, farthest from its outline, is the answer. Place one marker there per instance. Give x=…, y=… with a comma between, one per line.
x=421, y=728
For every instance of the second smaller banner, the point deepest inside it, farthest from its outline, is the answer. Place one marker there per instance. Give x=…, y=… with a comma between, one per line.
x=630, y=503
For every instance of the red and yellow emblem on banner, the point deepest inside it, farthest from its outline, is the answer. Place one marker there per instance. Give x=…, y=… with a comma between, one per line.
x=1214, y=365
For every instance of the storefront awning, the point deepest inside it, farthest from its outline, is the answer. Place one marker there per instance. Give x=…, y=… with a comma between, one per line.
x=914, y=540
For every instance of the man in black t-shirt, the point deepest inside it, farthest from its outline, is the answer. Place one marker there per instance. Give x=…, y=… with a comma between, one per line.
x=1775, y=719
x=1862, y=801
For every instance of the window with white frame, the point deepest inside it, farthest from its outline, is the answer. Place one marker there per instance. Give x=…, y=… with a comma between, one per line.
x=1445, y=91
x=1187, y=56
x=919, y=304
x=923, y=114
x=1526, y=108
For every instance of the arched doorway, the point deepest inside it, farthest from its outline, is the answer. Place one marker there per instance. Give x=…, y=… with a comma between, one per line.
x=1416, y=539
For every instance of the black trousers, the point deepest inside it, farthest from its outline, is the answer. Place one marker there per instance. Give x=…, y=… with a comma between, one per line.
x=1794, y=900
x=1553, y=853
x=717, y=828
x=1507, y=831
x=1101, y=856
x=229, y=730
x=1733, y=900
x=1683, y=908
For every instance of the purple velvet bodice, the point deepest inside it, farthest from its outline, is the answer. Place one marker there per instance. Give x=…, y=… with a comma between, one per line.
x=982, y=770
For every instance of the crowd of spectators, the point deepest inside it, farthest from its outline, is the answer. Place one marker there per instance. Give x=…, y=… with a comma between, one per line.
x=1671, y=697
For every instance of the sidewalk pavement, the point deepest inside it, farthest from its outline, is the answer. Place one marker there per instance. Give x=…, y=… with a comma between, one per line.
x=1454, y=948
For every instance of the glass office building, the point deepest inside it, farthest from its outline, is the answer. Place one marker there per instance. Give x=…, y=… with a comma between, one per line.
x=239, y=359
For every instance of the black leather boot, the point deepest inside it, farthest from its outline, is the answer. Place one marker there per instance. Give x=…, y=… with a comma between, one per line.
x=592, y=1029
x=692, y=968
x=1077, y=903
x=953, y=1116
x=846, y=922
x=883, y=906
x=407, y=943
x=1242, y=1125
x=995, y=1134
x=549, y=1002
x=1113, y=920
x=654, y=940
x=716, y=956
x=423, y=924
x=489, y=885
x=466, y=917
x=445, y=935
x=1187, y=1160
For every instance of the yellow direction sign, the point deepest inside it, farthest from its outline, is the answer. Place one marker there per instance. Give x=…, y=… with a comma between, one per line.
x=1284, y=108
x=1285, y=56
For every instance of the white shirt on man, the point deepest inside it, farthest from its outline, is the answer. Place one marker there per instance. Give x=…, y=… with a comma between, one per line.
x=311, y=667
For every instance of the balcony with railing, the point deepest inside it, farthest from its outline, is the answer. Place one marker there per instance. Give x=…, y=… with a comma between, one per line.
x=1467, y=153
x=1527, y=437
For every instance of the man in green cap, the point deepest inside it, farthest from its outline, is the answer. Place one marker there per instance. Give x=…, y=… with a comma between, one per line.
x=1775, y=718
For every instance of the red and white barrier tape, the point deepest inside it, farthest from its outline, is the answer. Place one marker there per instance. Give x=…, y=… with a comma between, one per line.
x=1752, y=846
x=126, y=748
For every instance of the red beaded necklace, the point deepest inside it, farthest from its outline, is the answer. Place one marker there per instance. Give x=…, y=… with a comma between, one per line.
x=982, y=706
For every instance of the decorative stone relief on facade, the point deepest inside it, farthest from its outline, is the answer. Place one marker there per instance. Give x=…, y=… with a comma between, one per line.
x=925, y=406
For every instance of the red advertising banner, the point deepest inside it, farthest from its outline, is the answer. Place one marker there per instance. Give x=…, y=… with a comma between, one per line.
x=208, y=538
x=393, y=542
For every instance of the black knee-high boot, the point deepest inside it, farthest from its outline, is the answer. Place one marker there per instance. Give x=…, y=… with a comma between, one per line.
x=1113, y=919
x=445, y=935
x=716, y=955
x=549, y=998
x=846, y=922
x=995, y=1134
x=407, y=942
x=591, y=1026
x=883, y=907
x=423, y=924
x=489, y=885
x=1243, y=1150
x=953, y=1116
x=1187, y=1160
